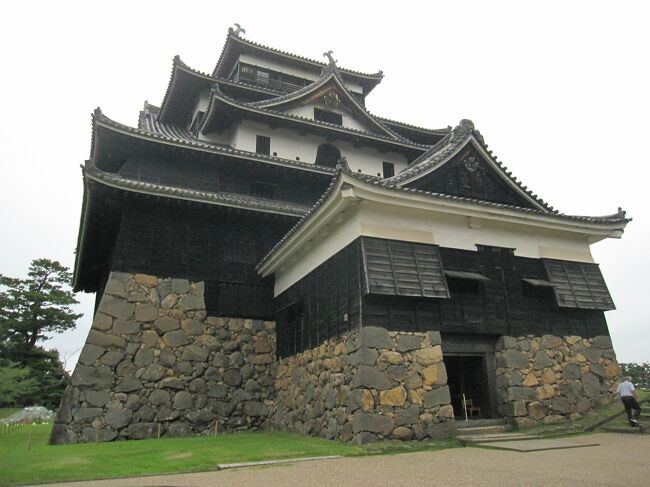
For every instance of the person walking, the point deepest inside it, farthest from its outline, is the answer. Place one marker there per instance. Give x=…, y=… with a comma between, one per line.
x=627, y=393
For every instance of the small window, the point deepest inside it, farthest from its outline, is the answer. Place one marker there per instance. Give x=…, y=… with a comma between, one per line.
x=463, y=286
x=329, y=117
x=327, y=155
x=389, y=169
x=263, y=145
x=263, y=190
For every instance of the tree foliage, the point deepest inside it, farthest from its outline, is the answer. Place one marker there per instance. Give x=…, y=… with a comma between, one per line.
x=32, y=309
x=640, y=373
x=16, y=383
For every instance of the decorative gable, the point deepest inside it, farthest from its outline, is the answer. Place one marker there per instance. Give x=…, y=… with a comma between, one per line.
x=469, y=175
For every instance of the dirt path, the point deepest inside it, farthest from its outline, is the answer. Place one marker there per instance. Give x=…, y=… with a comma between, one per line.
x=619, y=460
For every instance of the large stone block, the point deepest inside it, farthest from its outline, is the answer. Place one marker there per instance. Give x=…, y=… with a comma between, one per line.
x=428, y=356
x=90, y=353
x=375, y=337
x=105, y=340
x=370, y=377
x=571, y=372
x=93, y=377
x=591, y=385
x=513, y=359
x=601, y=341
x=118, y=418
x=364, y=356
x=406, y=343
x=393, y=397
x=126, y=327
x=165, y=324
x=542, y=360
x=193, y=353
x=191, y=302
x=436, y=397
x=146, y=312
x=175, y=338
x=116, y=307
x=593, y=354
x=435, y=375
x=372, y=423
x=520, y=393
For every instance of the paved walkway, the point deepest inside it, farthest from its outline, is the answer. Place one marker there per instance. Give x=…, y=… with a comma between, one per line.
x=619, y=460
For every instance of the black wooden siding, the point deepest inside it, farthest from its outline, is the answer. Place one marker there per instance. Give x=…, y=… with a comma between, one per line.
x=468, y=175
x=578, y=285
x=312, y=310
x=397, y=268
x=218, y=246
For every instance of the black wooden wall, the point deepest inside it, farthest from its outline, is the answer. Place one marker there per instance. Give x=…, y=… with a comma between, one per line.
x=212, y=244
x=312, y=310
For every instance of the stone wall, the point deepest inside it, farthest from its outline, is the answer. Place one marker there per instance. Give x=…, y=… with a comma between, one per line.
x=154, y=363
x=370, y=385
x=550, y=379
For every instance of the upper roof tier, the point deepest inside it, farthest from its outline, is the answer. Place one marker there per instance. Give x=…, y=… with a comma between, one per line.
x=236, y=46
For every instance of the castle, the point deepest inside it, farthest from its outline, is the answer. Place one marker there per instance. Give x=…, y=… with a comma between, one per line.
x=267, y=252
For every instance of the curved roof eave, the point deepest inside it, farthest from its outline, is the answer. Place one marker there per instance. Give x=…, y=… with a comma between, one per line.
x=370, y=80
x=101, y=120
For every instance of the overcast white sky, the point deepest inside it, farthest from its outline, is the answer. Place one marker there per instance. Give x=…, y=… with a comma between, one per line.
x=559, y=90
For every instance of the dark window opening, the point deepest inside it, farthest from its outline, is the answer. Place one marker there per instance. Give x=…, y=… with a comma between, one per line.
x=263, y=190
x=463, y=286
x=271, y=79
x=263, y=145
x=327, y=155
x=329, y=117
x=389, y=169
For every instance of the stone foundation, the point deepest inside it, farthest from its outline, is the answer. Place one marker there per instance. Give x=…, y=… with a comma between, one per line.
x=370, y=385
x=550, y=379
x=155, y=364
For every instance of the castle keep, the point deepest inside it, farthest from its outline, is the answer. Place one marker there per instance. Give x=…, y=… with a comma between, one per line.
x=268, y=253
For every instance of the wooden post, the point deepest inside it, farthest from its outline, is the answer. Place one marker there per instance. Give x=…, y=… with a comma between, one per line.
x=29, y=440
x=158, y=430
x=96, y=434
x=216, y=427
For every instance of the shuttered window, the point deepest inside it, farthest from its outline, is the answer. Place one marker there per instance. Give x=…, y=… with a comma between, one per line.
x=397, y=268
x=578, y=285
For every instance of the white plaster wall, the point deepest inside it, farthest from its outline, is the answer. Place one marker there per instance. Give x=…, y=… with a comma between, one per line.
x=452, y=231
x=300, y=73
x=289, y=145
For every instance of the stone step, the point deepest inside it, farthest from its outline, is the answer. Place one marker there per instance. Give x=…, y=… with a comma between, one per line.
x=483, y=430
x=494, y=438
x=475, y=423
x=630, y=430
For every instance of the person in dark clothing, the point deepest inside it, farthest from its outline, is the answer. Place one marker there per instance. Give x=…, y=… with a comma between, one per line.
x=627, y=393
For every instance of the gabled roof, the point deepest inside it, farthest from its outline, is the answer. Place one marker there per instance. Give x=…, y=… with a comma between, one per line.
x=449, y=146
x=166, y=134
x=221, y=104
x=235, y=45
x=352, y=186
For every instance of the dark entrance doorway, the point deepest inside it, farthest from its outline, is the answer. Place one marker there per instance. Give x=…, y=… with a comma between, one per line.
x=467, y=374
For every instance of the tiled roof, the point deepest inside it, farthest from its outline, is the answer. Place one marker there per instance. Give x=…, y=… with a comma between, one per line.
x=377, y=77
x=235, y=200
x=389, y=121
x=193, y=143
x=619, y=217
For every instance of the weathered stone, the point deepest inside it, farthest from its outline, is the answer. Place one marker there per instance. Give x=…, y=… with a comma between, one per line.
x=364, y=438
x=141, y=431
x=396, y=373
x=530, y=380
x=183, y=400
x=571, y=372
x=513, y=359
x=129, y=384
x=96, y=398
x=146, y=312
x=436, y=397
x=549, y=377
x=593, y=354
x=111, y=358
x=542, y=361
x=263, y=346
x=102, y=322
x=261, y=359
x=193, y=353
x=601, y=341
x=217, y=391
x=434, y=338
x=550, y=341
x=406, y=343
x=184, y=368
x=116, y=307
x=193, y=327
x=371, y=378
x=506, y=343
x=372, y=423
x=393, y=397
x=545, y=392
x=402, y=433
x=428, y=356
x=599, y=370
x=197, y=386
x=255, y=408
x=143, y=357
x=407, y=415
x=116, y=284
x=146, y=280
x=613, y=370
x=536, y=410
x=232, y=377
x=166, y=324
x=518, y=393
x=190, y=302
x=509, y=378
x=364, y=356
x=435, y=375
x=90, y=353
x=150, y=338
x=118, y=419
x=180, y=286
x=153, y=373
x=591, y=385
x=441, y=430
x=375, y=337
x=515, y=408
x=561, y=405
x=126, y=327
x=86, y=415
x=104, y=339
x=391, y=357
x=158, y=397
x=361, y=399
x=175, y=338
x=95, y=377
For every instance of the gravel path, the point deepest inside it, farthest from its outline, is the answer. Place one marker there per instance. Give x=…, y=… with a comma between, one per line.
x=620, y=460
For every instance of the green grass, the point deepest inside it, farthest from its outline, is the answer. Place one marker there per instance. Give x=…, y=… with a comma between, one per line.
x=45, y=463
x=4, y=412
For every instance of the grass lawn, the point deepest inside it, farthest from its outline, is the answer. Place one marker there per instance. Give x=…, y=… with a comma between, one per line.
x=45, y=463
x=4, y=412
